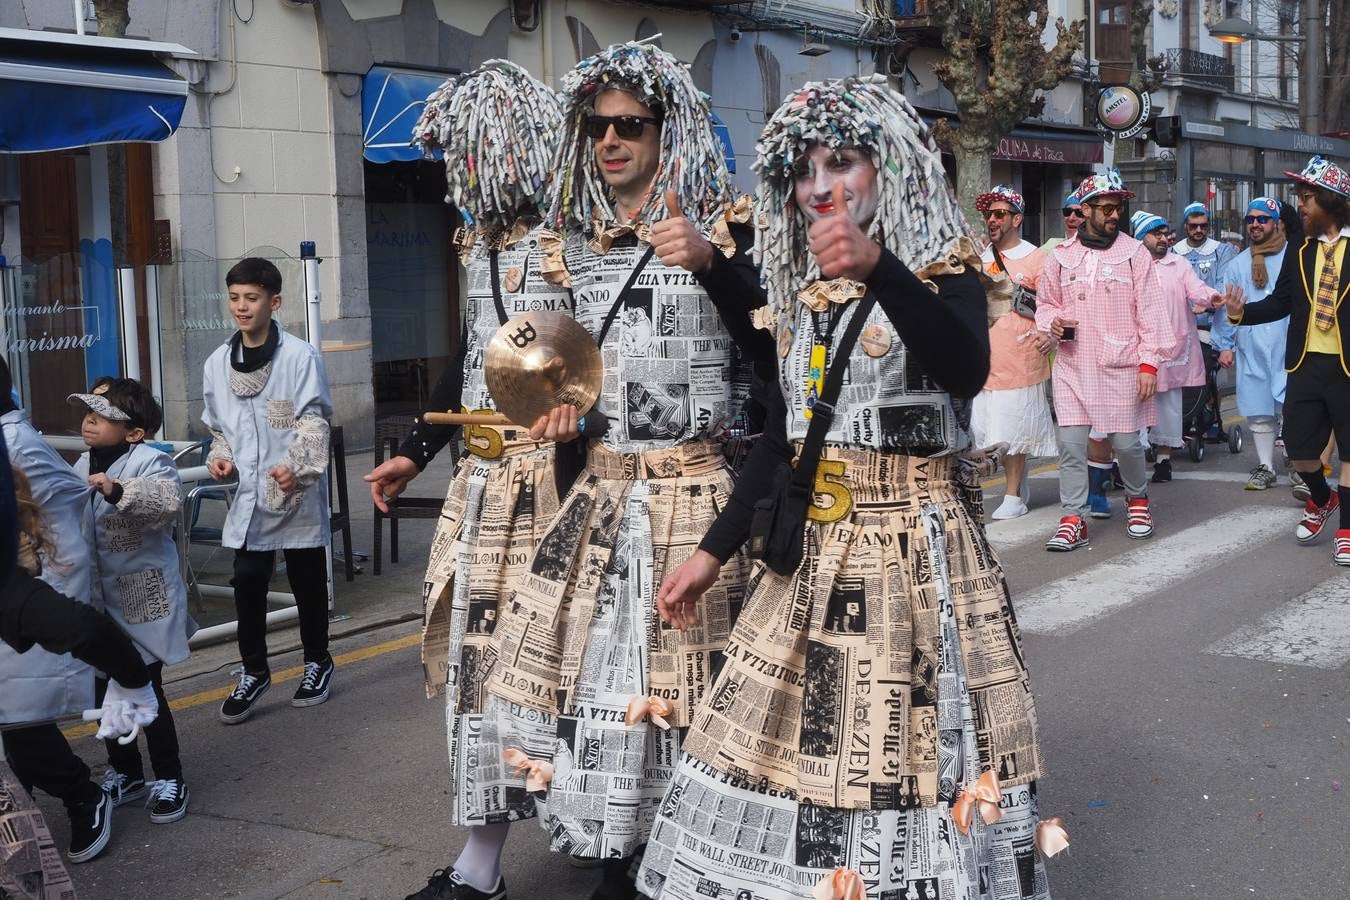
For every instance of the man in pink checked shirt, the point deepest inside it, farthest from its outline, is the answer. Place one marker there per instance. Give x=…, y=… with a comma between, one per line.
x=1100, y=297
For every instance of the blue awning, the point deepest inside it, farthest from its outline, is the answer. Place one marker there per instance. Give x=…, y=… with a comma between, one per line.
x=391, y=101
x=59, y=95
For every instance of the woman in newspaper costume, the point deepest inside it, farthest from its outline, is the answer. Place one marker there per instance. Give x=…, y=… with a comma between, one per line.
x=872, y=733
x=497, y=127
x=590, y=687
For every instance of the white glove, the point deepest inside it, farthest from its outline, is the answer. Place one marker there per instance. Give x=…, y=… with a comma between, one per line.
x=125, y=712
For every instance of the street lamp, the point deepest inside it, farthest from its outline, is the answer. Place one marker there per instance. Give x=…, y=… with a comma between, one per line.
x=1236, y=30
x=1240, y=31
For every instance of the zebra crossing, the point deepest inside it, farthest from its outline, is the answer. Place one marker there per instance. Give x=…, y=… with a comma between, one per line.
x=1311, y=629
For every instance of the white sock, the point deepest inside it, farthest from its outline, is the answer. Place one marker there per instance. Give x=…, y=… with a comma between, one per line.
x=480, y=862
x=1263, y=436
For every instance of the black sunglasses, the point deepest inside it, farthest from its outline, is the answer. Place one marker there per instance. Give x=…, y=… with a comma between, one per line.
x=1073, y=211
x=628, y=127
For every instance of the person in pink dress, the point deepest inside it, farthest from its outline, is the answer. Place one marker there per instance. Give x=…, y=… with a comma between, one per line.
x=1013, y=409
x=1100, y=298
x=1186, y=295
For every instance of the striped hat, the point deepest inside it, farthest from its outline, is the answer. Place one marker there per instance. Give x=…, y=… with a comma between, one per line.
x=1195, y=209
x=1141, y=223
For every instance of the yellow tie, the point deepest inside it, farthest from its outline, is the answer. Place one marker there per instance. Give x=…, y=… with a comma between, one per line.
x=1324, y=307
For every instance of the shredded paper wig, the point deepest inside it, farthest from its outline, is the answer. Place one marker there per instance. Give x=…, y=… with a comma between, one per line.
x=498, y=128
x=692, y=162
x=917, y=218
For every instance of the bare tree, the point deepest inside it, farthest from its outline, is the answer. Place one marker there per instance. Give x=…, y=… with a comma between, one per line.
x=995, y=67
x=113, y=17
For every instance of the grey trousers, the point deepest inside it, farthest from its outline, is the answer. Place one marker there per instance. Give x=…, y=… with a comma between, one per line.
x=1073, y=467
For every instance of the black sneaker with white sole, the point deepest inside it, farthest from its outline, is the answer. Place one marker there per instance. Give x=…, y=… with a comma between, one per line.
x=314, y=684
x=168, y=801
x=239, y=705
x=447, y=884
x=90, y=828
x=122, y=788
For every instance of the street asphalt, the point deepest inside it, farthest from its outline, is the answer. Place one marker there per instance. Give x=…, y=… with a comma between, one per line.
x=1191, y=692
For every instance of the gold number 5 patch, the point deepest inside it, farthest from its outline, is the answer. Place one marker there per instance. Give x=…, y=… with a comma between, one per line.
x=840, y=499
x=482, y=441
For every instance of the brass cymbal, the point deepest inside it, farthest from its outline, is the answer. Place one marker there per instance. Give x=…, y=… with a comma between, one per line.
x=539, y=361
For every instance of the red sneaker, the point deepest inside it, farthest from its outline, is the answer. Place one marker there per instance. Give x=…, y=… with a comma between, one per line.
x=1342, y=556
x=1314, y=517
x=1138, y=520
x=1071, y=534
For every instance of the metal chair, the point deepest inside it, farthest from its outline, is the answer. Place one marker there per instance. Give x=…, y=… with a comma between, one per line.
x=389, y=433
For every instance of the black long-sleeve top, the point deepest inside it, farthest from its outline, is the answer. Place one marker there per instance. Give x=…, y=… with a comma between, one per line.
x=33, y=612
x=947, y=332
x=733, y=287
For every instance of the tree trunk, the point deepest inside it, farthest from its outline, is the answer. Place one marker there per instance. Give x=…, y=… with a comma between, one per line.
x=974, y=164
x=113, y=17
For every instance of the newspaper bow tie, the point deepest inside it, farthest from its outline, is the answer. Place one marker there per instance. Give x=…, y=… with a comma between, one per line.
x=841, y=884
x=818, y=295
x=552, y=265
x=986, y=795
x=537, y=773
x=606, y=236
x=741, y=211
x=655, y=708
x=1051, y=836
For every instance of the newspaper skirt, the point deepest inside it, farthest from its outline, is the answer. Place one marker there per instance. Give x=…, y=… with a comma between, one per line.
x=30, y=864
x=861, y=698
x=580, y=643
x=1018, y=417
x=494, y=513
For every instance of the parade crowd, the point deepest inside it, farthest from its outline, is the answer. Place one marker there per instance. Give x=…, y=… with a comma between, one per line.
x=747, y=639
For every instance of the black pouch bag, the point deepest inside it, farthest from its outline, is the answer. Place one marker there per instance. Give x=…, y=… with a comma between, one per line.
x=778, y=524
x=1023, y=298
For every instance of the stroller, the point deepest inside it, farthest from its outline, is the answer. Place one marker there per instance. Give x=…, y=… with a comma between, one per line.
x=1200, y=414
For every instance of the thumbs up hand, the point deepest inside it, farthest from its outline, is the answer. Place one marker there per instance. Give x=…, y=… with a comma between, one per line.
x=839, y=245
x=678, y=243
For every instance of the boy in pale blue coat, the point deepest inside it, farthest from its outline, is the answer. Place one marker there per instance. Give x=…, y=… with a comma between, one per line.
x=129, y=521
x=267, y=407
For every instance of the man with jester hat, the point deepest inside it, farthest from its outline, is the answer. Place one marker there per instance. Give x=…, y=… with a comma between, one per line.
x=1313, y=285
x=590, y=693
x=1101, y=300
x=497, y=128
x=840, y=734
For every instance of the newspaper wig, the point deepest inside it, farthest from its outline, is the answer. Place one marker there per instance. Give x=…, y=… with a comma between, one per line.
x=497, y=127
x=692, y=162
x=917, y=218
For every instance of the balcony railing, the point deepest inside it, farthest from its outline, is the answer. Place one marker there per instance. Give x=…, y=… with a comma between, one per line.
x=1191, y=67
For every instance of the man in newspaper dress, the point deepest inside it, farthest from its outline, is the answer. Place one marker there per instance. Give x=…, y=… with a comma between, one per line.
x=872, y=732
x=1103, y=286
x=497, y=128
x=580, y=637
x=1257, y=351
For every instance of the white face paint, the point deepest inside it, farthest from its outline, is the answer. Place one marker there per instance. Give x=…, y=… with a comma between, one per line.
x=821, y=169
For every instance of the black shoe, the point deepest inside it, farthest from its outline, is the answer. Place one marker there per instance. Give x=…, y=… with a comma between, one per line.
x=315, y=683
x=239, y=705
x=90, y=828
x=617, y=884
x=122, y=788
x=168, y=801
x=1162, y=471
x=447, y=884
x=1116, y=481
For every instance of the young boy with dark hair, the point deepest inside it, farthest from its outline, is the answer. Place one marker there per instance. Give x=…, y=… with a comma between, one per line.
x=267, y=407
x=129, y=521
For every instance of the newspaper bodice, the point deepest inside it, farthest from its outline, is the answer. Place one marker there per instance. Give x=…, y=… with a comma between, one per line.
x=523, y=290
x=669, y=361
x=135, y=570
x=887, y=402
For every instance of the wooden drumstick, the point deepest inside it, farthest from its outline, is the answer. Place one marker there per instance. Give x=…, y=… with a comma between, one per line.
x=449, y=418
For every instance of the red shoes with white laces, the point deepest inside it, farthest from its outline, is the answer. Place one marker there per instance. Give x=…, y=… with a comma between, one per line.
x=1071, y=534
x=1315, y=518
x=1342, y=556
x=1138, y=520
